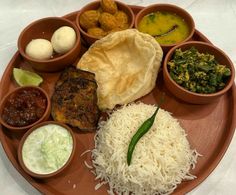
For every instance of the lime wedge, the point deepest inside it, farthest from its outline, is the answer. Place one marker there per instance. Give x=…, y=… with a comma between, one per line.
x=25, y=77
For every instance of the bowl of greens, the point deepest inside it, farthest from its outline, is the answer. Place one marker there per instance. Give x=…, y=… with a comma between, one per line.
x=198, y=72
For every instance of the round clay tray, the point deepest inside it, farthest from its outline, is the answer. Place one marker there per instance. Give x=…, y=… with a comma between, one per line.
x=209, y=127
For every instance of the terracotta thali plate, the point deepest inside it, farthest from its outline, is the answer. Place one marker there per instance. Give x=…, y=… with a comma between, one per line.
x=209, y=127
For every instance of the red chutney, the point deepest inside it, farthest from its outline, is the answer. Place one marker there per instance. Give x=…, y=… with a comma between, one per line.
x=24, y=107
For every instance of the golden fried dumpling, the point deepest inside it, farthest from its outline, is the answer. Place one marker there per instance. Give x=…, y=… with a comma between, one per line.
x=122, y=19
x=107, y=21
x=89, y=19
x=96, y=32
x=109, y=6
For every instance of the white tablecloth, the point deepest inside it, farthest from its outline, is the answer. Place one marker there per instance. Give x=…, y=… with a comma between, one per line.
x=214, y=18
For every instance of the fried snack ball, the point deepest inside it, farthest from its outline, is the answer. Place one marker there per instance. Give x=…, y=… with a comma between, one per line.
x=97, y=32
x=89, y=19
x=122, y=19
x=109, y=6
x=107, y=21
x=99, y=10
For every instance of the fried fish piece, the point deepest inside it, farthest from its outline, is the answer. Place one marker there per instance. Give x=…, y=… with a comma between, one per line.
x=74, y=100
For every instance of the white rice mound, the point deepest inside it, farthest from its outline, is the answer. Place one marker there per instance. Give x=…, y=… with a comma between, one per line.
x=161, y=159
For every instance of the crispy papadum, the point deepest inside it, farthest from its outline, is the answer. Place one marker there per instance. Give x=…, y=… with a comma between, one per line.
x=126, y=65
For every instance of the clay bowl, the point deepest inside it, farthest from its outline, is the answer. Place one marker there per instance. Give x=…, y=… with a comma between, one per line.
x=168, y=8
x=44, y=28
x=94, y=6
x=66, y=163
x=191, y=97
x=15, y=93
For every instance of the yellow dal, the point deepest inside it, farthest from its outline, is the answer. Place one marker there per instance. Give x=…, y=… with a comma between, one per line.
x=161, y=22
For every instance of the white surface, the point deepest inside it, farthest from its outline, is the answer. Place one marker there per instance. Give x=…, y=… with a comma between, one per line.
x=216, y=19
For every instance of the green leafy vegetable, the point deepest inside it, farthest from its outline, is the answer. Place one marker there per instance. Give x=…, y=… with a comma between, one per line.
x=198, y=72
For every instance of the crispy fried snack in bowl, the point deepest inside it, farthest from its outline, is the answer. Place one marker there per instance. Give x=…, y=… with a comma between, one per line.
x=99, y=18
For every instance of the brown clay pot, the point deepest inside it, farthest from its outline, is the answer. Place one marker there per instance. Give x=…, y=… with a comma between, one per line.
x=94, y=6
x=44, y=28
x=59, y=171
x=168, y=8
x=22, y=129
x=191, y=97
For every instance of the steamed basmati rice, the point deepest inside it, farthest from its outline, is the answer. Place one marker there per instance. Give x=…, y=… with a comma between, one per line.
x=161, y=160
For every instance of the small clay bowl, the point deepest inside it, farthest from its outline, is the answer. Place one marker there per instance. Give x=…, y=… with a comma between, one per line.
x=44, y=28
x=168, y=8
x=22, y=129
x=94, y=6
x=191, y=97
x=60, y=170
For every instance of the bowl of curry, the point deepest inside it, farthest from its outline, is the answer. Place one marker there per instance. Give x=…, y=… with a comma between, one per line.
x=24, y=107
x=168, y=24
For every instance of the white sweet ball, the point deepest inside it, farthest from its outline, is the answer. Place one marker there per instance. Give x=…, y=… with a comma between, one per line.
x=40, y=49
x=63, y=39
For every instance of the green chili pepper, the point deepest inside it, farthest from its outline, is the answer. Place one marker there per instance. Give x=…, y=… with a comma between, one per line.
x=141, y=131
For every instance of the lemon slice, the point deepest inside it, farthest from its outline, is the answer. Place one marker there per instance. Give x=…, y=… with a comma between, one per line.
x=25, y=77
